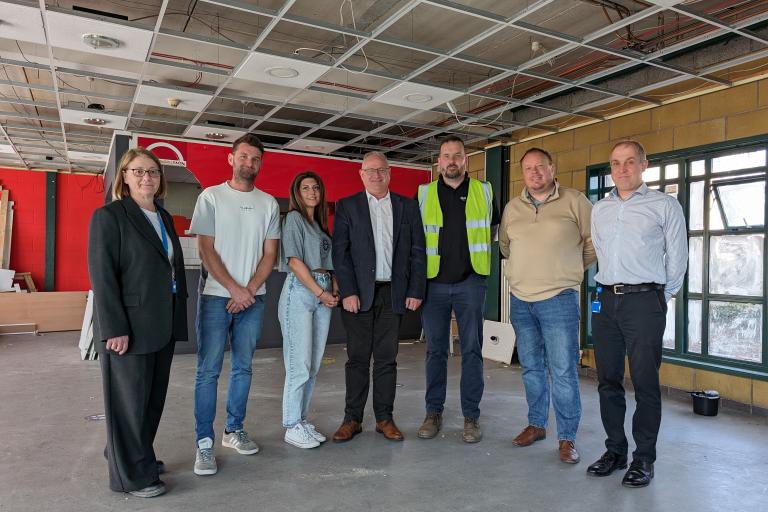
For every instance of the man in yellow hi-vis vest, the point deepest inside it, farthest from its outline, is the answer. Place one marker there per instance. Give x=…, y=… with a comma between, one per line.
x=459, y=216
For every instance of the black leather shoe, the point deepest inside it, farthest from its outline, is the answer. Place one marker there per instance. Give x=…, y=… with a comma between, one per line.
x=607, y=464
x=639, y=474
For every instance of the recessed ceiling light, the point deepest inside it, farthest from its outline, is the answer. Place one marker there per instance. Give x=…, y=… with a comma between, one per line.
x=214, y=135
x=283, y=72
x=95, y=121
x=418, y=97
x=314, y=148
x=100, y=42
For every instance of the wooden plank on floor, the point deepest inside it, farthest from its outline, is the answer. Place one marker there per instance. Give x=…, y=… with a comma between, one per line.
x=51, y=311
x=18, y=328
x=3, y=226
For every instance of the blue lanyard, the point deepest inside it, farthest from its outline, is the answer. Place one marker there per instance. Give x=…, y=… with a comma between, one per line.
x=163, y=236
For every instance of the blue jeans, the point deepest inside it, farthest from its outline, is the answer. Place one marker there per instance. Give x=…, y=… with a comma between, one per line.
x=467, y=299
x=214, y=325
x=304, y=321
x=548, y=347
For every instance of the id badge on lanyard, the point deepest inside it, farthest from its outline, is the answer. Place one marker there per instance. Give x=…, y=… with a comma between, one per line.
x=596, y=304
x=164, y=238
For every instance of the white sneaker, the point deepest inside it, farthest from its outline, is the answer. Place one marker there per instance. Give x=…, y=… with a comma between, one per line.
x=240, y=441
x=205, y=462
x=300, y=437
x=313, y=431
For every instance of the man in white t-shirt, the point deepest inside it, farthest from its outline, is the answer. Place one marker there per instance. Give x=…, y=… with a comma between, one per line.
x=238, y=233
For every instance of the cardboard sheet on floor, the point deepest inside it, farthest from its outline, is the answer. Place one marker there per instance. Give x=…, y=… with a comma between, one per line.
x=50, y=311
x=498, y=341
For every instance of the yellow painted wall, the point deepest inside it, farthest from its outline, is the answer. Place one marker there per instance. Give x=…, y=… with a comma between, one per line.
x=724, y=115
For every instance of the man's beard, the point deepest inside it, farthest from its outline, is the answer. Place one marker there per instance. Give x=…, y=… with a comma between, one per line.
x=453, y=173
x=246, y=174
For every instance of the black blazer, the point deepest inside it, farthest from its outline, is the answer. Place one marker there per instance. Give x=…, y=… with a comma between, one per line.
x=131, y=279
x=354, y=252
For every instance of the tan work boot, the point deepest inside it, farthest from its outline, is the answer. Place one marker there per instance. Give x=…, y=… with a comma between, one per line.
x=472, y=432
x=431, y=425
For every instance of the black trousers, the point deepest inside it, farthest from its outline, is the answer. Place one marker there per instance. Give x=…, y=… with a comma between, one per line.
x=372, y=333
x=134, y=395
x=631, y=325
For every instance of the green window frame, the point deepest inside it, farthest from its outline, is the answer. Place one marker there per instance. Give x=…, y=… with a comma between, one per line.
x=691, y=176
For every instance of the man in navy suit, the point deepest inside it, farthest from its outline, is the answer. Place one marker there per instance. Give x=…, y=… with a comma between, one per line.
x=379, y=260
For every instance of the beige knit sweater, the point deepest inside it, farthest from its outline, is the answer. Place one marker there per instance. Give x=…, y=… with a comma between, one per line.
x=548, y=248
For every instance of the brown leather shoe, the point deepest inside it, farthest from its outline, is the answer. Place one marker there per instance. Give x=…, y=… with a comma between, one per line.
x=472, y=432
x=389, y=429
x=530, y=435
x=347, y=431
x=568, y=453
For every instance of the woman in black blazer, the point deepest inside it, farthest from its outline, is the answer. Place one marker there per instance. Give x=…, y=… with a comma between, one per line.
x=136, y=267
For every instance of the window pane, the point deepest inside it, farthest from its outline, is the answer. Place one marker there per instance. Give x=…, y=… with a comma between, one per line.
x=696, y=205
x=608, y=181
x=695, y=259
x=739, y=161
x=671, y=171
x=669, y=330
x=652, y=174
x=735, y=330
x=743, y=203
x=593, y=183
x=697, y=168
x=694, y=326
x=736, y=265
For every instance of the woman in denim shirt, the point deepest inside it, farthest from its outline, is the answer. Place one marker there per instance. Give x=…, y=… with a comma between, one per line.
x=309, y=293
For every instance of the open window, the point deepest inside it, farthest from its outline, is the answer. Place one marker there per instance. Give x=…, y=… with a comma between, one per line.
x=740, y=201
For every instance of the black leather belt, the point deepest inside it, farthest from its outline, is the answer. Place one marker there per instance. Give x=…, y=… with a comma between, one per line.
x=623, y=289
x=382, y=283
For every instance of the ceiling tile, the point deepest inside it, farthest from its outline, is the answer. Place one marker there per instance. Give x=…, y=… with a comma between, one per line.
x=67, y=30
x=273, y=69
x=417, y=96
x=111, y=121
x=314, y=146
x=85, y=156
x=22, y=23
x=163, y=97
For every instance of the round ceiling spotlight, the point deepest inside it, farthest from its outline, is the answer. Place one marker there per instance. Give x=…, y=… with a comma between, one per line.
x=214, y=135
x=100, y=42
x=94, y=121
x=418, y=97
x=283, y=72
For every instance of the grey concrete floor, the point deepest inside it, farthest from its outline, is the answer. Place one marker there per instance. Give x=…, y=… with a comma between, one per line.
x=51, y=455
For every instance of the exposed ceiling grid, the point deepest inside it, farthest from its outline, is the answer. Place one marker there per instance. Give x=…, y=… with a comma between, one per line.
x=348, y=76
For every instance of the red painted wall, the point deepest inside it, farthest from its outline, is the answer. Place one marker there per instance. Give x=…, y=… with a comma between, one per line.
x=77, y=197
x=27, y=190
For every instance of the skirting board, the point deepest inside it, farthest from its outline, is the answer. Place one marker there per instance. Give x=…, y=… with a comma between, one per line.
x=50, y=311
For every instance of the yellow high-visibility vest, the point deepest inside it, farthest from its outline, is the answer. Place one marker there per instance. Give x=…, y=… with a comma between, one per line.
x=478, y=212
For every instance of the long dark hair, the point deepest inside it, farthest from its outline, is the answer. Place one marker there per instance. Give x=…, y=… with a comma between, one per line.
x=296, y=203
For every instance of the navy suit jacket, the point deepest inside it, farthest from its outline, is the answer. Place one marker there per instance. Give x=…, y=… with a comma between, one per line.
x=354, y=251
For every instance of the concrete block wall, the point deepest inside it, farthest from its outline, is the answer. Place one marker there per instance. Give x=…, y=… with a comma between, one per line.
x=729, y=114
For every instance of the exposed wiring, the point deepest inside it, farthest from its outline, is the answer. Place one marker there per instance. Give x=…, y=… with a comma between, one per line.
x=354, y=26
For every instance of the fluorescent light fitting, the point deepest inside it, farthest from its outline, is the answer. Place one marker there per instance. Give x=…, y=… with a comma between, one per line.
x=100, y=42
x=215, y=135
x=418, y=97
x=283, y=72
x=95, y=121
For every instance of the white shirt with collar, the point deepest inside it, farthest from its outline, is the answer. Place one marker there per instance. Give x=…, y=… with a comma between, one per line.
x=382, y=225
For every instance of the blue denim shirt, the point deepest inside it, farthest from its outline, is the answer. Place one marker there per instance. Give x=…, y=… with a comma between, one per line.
x=641, y=239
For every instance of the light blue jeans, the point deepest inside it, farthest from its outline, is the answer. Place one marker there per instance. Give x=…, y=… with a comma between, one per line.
x=214, y=326
x=548, y=347
x=304, y=321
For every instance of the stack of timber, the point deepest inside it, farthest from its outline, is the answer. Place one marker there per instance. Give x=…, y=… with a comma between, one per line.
x=6, y=228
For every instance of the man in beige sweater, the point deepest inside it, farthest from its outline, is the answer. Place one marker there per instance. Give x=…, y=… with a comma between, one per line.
x=545, y=236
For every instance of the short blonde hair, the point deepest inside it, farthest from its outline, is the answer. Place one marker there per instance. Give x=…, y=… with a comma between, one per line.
x=120, y=188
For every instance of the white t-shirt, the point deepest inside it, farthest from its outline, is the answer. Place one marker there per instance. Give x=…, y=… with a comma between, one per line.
x=239, y=223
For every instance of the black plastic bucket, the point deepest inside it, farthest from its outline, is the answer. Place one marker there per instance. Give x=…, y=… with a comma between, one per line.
x=705, y=403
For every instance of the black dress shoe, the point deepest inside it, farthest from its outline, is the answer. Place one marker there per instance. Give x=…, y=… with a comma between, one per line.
x=639, y=474
x=607, y=464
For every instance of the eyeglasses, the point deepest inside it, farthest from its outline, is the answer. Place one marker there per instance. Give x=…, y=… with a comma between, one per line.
x=377, y=170
x=140, y=172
